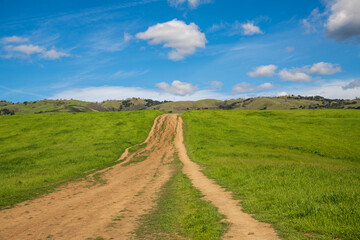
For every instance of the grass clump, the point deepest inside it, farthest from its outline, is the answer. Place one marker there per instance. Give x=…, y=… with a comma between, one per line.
x=298, y=169
x=137, y=147
x=181, y=213
x=39, y=152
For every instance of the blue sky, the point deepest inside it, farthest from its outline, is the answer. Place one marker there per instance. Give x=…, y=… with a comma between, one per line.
x=178, y=49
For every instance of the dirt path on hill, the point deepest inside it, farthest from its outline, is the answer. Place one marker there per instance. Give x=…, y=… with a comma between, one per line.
x=108, y=203
x=242, y=225
x=107, y=207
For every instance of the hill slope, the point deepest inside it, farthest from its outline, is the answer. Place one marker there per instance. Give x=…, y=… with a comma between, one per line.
x=260, y=103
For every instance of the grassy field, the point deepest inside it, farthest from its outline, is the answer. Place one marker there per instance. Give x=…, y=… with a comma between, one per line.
x=39, y=152
x=296, y=169
x=180, y=213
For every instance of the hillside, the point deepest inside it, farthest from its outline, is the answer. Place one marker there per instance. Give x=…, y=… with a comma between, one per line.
x=260, y=103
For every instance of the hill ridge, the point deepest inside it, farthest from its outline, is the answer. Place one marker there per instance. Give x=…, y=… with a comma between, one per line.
x=257, y=103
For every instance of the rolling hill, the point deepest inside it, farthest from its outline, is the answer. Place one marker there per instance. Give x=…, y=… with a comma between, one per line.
x=259, y=103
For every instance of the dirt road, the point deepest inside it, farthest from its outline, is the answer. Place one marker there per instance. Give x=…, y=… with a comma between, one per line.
x=107, y=204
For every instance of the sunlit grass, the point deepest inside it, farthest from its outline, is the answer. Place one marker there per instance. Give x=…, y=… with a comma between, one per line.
x=298, y=169
x=39, y=152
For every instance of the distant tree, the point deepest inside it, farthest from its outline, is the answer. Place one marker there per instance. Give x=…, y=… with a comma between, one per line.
x=127, y=103
x=6, y=111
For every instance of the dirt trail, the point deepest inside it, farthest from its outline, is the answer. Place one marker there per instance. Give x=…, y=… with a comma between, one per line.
x=111, y=206
x=86, y=210
x=242, y=225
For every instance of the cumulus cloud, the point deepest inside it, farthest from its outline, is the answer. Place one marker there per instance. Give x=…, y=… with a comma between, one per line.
x=120, y=92
x=236, y=28
x=26, y=50
x=250, y=29
x=352, y=85
x=177, y=88
x=53, y=54
x=295, y=74
x=333, y=90
x=191, y=3
x=344, y=19
x=324, y=68
x=341, y=19
x=263, y=71
x=216, y=84
x=245, y=87
x=30, y=49
x=302, y=74
x=282, y=94
x=14, y=39
x=175, y=34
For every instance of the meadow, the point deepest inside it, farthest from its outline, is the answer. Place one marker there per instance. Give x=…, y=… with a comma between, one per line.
x=296, y=169
x=41, y=151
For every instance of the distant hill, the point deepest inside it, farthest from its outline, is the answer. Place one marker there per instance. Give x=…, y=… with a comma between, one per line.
x=259, y=103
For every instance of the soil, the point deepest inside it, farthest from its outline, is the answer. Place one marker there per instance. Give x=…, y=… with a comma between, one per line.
x=108, y=203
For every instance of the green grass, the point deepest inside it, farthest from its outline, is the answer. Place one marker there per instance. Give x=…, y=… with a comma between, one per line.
x=136, y=159
x=297, y=169
x=39, y=152
x=180, y=213
x=137, y=147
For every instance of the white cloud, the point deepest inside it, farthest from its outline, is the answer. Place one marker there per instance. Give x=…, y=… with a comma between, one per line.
x=295, y=74
x=177, y=88
x=183, y=38
x=245, y=87
x=119, y=92
x=250, y=29
x=127, y=37
x=352, y=85
x=191, y=3
x=313, y=21
x=344, y=20
x=217, y=27
x=14, y=39
x=324, y=68
x=282, y=94
x=53, y=54
x=263, y=71
x=216, y=84
x=301, y=74
x=332, y=90
x=27, y=49
x=236, y=28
